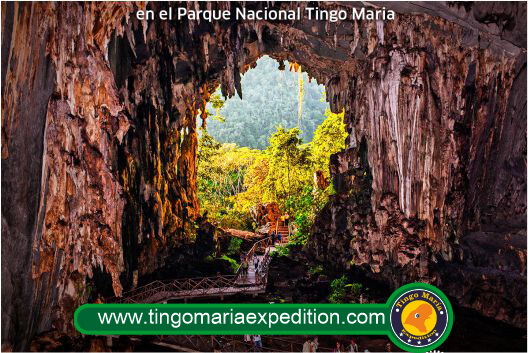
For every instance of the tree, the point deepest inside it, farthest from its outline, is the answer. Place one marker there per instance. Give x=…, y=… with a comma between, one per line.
x=255, y=192
x=329, y=138
x=233, y=179
x=290, y=164
x=221, y=171
x=217, y=103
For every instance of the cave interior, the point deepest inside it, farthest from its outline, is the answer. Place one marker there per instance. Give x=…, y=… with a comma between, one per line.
x=99, y=147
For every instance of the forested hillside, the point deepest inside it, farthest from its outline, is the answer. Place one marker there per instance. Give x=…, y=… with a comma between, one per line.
x=270, y=98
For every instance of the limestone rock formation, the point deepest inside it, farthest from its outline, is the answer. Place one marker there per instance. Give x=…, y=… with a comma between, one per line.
x=99, y=143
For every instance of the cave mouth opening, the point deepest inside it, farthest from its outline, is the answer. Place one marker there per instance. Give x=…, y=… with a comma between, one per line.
x=274, y=94
x=270, y=147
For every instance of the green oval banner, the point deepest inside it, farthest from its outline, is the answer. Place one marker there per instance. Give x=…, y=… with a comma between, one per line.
x=417, y=317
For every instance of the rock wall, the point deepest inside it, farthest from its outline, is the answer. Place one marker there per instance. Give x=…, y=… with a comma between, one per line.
x=62, y=121
x=99, y=144
x=443, y=123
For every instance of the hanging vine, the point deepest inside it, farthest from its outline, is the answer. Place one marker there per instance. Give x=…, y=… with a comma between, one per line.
x=297, y=68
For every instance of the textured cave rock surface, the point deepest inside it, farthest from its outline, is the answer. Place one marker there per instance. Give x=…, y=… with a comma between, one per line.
x=99, y=146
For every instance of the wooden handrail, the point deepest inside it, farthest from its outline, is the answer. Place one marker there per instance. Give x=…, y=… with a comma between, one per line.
x=162, y=290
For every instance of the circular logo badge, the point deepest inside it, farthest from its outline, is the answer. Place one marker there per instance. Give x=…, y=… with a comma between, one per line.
x=420, y=318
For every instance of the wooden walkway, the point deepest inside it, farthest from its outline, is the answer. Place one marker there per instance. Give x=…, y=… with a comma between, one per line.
x=218, y=286
x=283, y=230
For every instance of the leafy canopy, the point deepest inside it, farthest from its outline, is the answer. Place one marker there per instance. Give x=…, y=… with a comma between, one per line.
x=232, y=179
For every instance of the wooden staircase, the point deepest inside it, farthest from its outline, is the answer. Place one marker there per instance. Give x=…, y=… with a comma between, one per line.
x=254, y=282
x=282, y=229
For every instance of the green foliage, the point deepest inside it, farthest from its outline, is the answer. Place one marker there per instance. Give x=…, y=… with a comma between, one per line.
x=217, y=103
x=233, y=179
x=207, y=147
x=282, y=250
x=281, y=172
x=316, y=270
x=255, y=192
x=289, y=165
x=306, y=206
x=230, y=218
x=277, y=299
x=343, y=292
x=234, y=265
x=354, y=289
x=338, y=290
x=271, y=98
x=303, y=206
x=221, y=170
x=234, y=246
x=329, y=138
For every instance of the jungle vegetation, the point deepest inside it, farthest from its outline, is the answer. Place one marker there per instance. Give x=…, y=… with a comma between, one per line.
x=236, y=173
x=232, y=179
